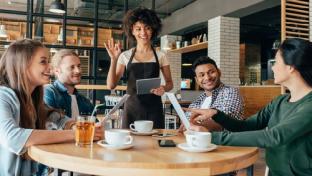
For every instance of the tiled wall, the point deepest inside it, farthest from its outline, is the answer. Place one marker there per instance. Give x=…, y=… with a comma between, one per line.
x=223, y=47
x=175, y=66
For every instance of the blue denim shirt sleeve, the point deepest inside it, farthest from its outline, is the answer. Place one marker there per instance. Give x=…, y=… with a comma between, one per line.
x=12, y=137
x=49, y=96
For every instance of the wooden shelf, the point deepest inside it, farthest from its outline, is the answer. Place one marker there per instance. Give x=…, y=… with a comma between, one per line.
x=191, y=48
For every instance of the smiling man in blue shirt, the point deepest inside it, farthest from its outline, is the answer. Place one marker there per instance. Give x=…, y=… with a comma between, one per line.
x=62, y=94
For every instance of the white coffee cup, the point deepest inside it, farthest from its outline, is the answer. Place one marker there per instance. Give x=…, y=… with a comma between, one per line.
x=118, y=137
x=198, y=139
x=142, y=126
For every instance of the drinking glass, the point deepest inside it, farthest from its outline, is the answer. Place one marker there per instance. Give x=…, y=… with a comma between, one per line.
x=84, y=132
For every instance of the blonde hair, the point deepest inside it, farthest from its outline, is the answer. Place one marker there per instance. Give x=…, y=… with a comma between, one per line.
x=58, y=56
x=13, y=74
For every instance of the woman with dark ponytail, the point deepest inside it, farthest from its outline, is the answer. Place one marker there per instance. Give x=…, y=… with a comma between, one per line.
x=283, y=127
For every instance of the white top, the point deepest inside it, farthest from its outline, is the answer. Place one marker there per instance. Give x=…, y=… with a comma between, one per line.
x=125, y=57
x=74, y=107
x=206, y=104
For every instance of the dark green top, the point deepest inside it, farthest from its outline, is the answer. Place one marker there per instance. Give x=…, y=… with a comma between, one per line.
x=283, y=128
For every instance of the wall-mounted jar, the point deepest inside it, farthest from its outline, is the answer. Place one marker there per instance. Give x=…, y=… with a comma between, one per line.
x=178, y=44
x=185, y=43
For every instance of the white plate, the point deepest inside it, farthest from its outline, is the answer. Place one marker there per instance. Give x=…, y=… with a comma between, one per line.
x=187, y=148
x=144, y=133
x=103, y=143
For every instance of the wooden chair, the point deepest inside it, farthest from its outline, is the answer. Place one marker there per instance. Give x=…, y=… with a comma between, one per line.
x=257, y=97
x=170, y=120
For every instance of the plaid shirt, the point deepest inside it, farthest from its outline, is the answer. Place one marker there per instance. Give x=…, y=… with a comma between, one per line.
x=224, y=98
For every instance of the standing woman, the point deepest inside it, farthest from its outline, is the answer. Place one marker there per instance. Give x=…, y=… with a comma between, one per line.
x=24, y=69
x=283, y=127
x=141, y=62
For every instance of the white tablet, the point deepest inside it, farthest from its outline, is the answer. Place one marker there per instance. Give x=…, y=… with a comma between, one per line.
x=178, y=109
x=114, y=109
x=144, y=86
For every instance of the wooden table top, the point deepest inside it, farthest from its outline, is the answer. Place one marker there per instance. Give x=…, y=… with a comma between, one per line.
x=145, y=158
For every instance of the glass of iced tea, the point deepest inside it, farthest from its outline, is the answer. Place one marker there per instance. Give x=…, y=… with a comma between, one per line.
x=84, y=131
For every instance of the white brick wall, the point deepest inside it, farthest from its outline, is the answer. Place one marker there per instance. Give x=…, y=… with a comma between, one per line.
x=175, y=62
x=175, y=67
x=223, y=47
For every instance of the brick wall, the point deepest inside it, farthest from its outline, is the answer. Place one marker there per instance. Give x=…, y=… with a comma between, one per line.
x=223, y=41
x=175, y=66
x=174, y=60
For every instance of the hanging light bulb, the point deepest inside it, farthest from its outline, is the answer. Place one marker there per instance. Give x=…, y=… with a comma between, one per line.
x=57, y=7
x=3, y=32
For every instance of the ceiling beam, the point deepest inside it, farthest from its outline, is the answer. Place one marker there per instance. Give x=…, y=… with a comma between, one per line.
x=201, y=11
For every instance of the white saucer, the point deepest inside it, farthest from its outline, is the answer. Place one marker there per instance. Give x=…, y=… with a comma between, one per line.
x=187, y=148
x=144, y=133
x=103, y=143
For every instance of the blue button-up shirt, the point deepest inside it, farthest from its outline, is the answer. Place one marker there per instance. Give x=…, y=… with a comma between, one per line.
x=57, y=96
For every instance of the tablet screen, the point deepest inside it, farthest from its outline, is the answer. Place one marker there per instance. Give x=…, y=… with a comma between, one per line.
x=144, y=86
x=178, y=109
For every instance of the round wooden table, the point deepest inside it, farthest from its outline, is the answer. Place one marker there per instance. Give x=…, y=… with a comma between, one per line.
x=145, y=158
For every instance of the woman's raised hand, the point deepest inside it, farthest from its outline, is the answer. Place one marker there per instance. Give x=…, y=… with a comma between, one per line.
x=113, y=49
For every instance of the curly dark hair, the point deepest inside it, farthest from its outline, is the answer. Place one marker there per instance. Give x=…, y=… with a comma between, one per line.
x=143, y=15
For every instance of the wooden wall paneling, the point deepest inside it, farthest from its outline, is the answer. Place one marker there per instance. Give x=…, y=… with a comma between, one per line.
x=294, y=21
x=257, y=97
x=118, y=36
x=104, y=36
x=71, y=35
x=50, y=33
x=14, y=30
x=85, y=35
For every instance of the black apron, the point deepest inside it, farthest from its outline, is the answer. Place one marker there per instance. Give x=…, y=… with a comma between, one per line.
x=142, y=107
